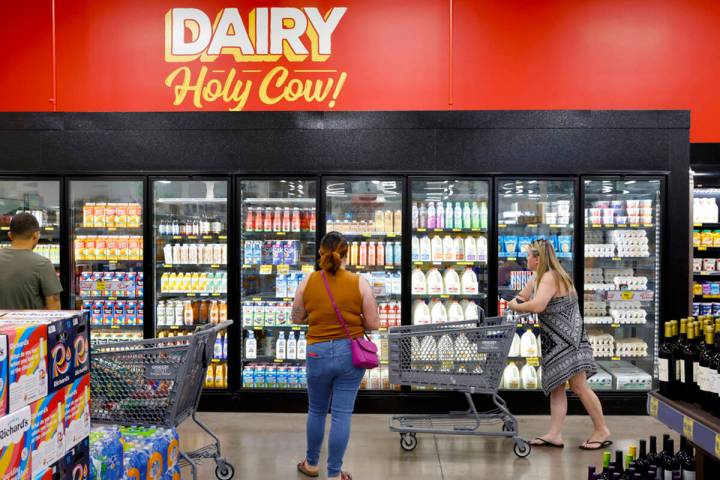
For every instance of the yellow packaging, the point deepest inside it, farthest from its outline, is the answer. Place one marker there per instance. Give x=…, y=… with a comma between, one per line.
x=210, y=377
x=706, y=238
x=89, y=215
x=696, y=238
x=99, y=215
x=697, y=289
x=716, y=238
x=220, y=376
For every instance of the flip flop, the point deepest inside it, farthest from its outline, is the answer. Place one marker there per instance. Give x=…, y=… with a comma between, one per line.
x=600, y=445
x=302, y=468
x=545, y=443
x=345, y=476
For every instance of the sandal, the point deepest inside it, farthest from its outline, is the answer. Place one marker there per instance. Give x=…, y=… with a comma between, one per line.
x=600, y=445
x=541, y=442
x=303, y=468
x=345, y=476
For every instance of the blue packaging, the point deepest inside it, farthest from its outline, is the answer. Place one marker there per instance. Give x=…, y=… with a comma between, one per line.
x=248, y=252
x=390, y=253
x=523, y=244
x=106, y=453
x=715, y=288
x=397, y=254
x=135, y=461
x=277, y=253
x=696, y=309
x=76, y=465
x=716, y=309
x=705, y=308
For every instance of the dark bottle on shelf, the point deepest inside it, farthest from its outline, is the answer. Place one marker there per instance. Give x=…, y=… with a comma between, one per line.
x=686, y=460
x=666, y=362
x=668, y=461
x=714, y=374
x=689, y=356
x=591, y=472
x=705, y=397
x=652, y=454
x=619, y=462
x=641, y=462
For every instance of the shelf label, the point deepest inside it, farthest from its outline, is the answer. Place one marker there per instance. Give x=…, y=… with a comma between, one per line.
x=207, y=237
x=112, y=298
x=688, y=427
x=266, y=269
x=421, y=229
x=215, y=360
x=615, y=325
x=417, y=263
x=49, y=229
x=596, y=226
x=532, y=225
x=501, y=225
x=257, y=299
x=283, y=269
x=653, y=407
x=465, y=263
x=222, y=237
x=5, y=229
x=112, y=229
x=174, y=327
x=296, y=327
x=366, y=234
x=288, y=299
x=634, y=225
x=247, y=266
x=444, y=296
x=533, y=361
x=615, y=359
x=697, y=224
x=115, y=327
x=258, y=328
x=167, y=265
x=611, y=225
x=215, y=265
x=192, y=237
x=457, y=229
x=216, y=294
x=278, y=360
x=308, y=268
x=359, y=267
x=616, y=259
x=100, y=286
x=627, y=295
x=476, y=229
x=391, y=235
x=511, y=259
x=190, y=294
x=717, y=445
x=703, y=248
x=389, y=267
x=280, y=233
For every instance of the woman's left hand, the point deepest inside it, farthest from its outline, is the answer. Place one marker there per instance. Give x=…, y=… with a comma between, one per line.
x=513, y=305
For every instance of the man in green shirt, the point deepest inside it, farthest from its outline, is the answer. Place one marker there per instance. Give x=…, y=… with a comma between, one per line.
x=27, y=280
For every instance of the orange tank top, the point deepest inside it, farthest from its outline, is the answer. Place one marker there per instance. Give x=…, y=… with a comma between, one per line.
x=323, y=324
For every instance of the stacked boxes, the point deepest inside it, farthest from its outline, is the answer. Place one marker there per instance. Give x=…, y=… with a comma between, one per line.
x=44, y=395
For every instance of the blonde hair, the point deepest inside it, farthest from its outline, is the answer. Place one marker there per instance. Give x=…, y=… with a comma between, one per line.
x=548, y=262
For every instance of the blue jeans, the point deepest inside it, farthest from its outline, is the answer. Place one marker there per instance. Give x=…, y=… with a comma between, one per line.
x=331, y=375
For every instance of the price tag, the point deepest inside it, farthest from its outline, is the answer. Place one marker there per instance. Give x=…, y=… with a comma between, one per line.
x=596, y=226
x=616, y=259
x=391, y=235
x=717, y=445
x=112, y=298
x=308, y=268
x=167, y=265
x=214, y=265
x=366, y=234
x=222, y=237
x=634, y=225
x=215, y=360
x=421, y=230
x=389, y=267
x=115, y=327
x=207, y=237
x=533, y=361
x=112, y=229
x=616, y=359
x=283, y=269
x=192, y=237
x=49, y=229
x=627, y=295
x=5, y=228
x=359, y=267
x=444, y=296
x=247, y=266
x=100, y=286
x=688, y=427
x=501, y=225
x=511, y=259
x=277, y=360
x=615, y=325
x=257, y=328
x=554, y=225
x=257, y=299
x=457, y=229
x=653, y=407
x=177, y=237
x=174, y=327
x=609, y=225
x=266, y=269
x=190, y=294
x=216, y=294
x=288, y=299
x=465, y=263
x=280, y=233
x=697, y=224
x=702, y=248
x=520, y=325
x=296, y=327
x=476, y=229
x=417, y=263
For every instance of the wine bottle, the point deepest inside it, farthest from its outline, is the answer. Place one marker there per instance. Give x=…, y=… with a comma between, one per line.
x=641, y=462
x=668, y=460
x=686, y=459
x=666, y=362
x=591, y=472
x=705, y=397
x=714, y=372
x=689, y=355
x=619, y=463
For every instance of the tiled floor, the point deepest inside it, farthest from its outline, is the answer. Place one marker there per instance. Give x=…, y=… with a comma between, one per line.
x=267, y=446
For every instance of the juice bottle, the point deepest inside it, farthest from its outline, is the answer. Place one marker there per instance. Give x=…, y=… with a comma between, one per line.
x=449, y=215
x=121, y=215
x=354, y=253
x=363, y=254
x=220, y=376
x=371, y=254
x=467, y=216
x=164, y=283
x=422, y=216
x=439, y=216
x=195, y=282
x=250, y=220
x=204, y=313
x=214, y=312
x=222, y=312
x=277, y=220
x=295, y=221
x=431, y=216
x=110, y=215
x=380, y=253
x=312, y=221
x=379, y=221
x=415, y=216
x=134, y=212
x=259, y=225
x=187, y=313
x=286, y=221
x=388, y=221
x=210, y=377
x=475, y=216
x=268, y=222
x=99, y=215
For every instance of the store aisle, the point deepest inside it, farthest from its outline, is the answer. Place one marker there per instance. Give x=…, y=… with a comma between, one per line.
x=269, y=445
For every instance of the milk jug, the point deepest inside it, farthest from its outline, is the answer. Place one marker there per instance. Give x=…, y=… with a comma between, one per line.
x=528, y=344
x=481, y=249
x=511, y=377
x=452, y=282
x=421, y=313
x=455, y=312
x=470, y=250
x=419, y=284
x=438, y=313
x=469, y=283
x=459, y=244
x=437, y=249
x=434, y=282
x=470, y=310
x=425, y=249
x=515, y=347
x=415, y=255
x=448, y=249
x=528, y=376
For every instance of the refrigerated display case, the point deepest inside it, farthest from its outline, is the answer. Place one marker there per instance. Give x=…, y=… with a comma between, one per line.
x=368, y=212
x=106, y=228
x=449, y=245
x=41, y=198
x=706, y=251
x=622, y=273
x=278, y=248
x=529, y=210
x=190, y=261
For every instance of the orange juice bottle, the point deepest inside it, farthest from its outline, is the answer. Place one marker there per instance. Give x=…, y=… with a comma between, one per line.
x=214, y=312
x=388, y=221
x=89, y=215
x=99, y=215
x=222, y=313
x=110, y=215
x=210, y=377
x=354, y=253
x=397, y=222
x=121, y=215
x=379, y=221
x=220, y=376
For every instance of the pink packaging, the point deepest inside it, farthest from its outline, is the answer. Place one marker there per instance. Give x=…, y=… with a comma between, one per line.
x=709, y=264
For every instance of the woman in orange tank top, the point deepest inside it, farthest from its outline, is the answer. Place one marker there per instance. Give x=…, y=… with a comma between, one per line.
x=331, y=375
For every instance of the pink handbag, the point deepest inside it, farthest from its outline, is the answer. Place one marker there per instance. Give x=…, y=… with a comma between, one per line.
x=364, y=352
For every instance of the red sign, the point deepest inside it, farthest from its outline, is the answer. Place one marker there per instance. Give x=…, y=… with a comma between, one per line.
x=165, y=55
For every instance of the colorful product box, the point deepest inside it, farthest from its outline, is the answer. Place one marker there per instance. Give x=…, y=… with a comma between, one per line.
x=81, y=345
x=4, y=370
x=15, y=445
x=54, y=472
x=47, y=435
x=77, y=411
x=27, y=363
x=77, y=461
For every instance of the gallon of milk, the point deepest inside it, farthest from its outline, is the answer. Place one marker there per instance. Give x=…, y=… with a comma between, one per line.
x=515, y=347
x=455, y=311
x=448, y=249
x=415, y=255
x=437, y=249
x=511, y=377
x=438, y=313
x=528, y=344
x=421, y=313
x=482, y=249
x=470, y=310
x=469, y=284
x=452, y=282
x=459, y=244
x=528, y=376
x=470, y=250
x=425, y=249
x=419, y=284
x=434, y=282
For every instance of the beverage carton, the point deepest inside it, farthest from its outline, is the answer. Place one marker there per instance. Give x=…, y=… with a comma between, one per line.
x=26, y=363
x=4, y=369
x=53, y=472
x=15, y=445
x=76, y=465
x=77, y=411
x=81, y=345
x=47, y=431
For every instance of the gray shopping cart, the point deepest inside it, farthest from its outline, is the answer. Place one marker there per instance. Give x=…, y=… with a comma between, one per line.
x=157, y=382
x=467, y=356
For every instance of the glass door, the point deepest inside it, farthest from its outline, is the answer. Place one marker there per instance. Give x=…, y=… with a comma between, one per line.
x=529, y=210
x=449, y=249
x=622, y=276
x=278, y=248
x=41, y=198
x=706, y=250
x=190, y=260
x=368, y=211
x=106, y=222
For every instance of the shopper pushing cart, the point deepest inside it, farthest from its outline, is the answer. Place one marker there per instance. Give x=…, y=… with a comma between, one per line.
x=467, y=356
x=157, y=382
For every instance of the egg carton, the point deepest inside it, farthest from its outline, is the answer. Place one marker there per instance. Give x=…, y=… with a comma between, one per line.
x=614, y=235
x=593, y=275
x=633, y=252
x=600, y=338
x=598, y=320
x=592, y=236
x=625, y=305
x=611, y=273
x=630, y=283
x=599, y=250
x=631, y=347
x=635, y=316
x=602, y=352
x=598, y=311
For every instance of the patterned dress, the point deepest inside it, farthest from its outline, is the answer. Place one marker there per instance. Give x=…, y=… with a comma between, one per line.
x=565, y=347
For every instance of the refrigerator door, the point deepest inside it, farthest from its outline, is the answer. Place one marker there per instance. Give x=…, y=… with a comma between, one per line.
x=449, y=277
x=106, y=225
x=41, y=198
x=368, y=211
x=278, y=248
x=622, y=276
x=529, y=210
x=190, y=251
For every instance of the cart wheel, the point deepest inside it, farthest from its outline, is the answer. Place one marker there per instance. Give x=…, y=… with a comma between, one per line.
x=225, y=471
x=522, y=449
x=508, y=427
x=408, y=441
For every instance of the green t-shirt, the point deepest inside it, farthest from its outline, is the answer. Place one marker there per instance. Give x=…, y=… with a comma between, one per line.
x=26, y=278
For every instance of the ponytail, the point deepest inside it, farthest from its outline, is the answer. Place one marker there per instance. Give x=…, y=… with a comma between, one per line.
x=333, y=248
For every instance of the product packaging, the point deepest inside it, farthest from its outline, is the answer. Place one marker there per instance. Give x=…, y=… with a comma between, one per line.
x=26, y=365
x=47, y=432
x=15, y=445
x=77, y=411
x=76, y=465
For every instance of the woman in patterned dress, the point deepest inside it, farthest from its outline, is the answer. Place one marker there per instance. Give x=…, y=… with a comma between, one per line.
x=566, y=352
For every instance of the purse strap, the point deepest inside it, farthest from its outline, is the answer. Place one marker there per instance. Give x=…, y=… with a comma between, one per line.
x=332, y=300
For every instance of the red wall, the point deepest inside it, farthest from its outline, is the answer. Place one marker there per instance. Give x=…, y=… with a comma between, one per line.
x=553, y=54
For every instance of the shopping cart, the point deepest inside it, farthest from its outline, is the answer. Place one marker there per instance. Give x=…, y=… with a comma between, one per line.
x=157, y=382
x=468, y=356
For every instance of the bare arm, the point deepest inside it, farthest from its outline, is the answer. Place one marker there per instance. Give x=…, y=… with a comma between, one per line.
x=299, y=315
x=545, y=292
x=526, y=293
x=371, y=319
x=52, y=302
